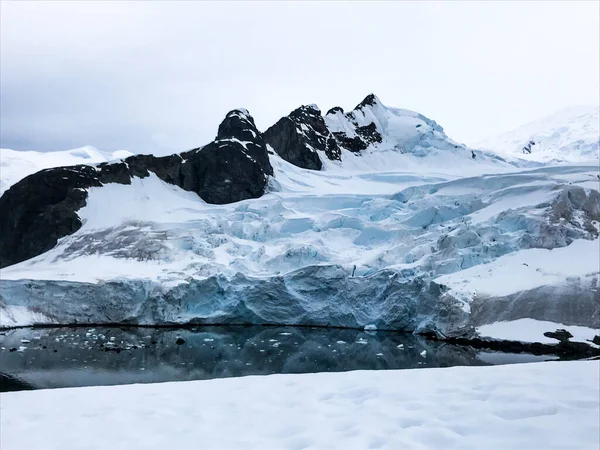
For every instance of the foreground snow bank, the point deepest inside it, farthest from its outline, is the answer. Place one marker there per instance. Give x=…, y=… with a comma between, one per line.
x=529, y=406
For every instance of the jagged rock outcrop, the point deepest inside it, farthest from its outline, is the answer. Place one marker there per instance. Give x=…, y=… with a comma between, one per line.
x=42, y=208
x=299, y=137
x=355, y=130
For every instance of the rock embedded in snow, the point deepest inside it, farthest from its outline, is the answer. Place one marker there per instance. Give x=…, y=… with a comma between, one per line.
x=561, y=335
x=350, y=134
x=299, y=138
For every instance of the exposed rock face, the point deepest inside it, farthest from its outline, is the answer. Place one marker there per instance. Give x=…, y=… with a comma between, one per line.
x=350, y=130
x=239, y=125
x=575, y=205
x=299, y=137
x=42, y=208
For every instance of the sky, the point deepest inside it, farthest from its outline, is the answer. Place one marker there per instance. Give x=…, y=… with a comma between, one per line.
x=158, y=77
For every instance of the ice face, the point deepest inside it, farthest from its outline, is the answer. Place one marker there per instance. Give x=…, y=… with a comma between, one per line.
x=347, y=259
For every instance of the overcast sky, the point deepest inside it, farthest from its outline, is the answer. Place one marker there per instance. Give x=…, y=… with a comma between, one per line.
x=159, y=77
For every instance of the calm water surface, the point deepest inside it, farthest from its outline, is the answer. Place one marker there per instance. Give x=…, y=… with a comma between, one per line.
x=66, y=357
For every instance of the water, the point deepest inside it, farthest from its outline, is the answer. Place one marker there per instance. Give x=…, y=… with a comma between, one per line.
x=67, y=357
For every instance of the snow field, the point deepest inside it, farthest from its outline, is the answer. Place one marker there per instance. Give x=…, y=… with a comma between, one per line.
x=552, y=405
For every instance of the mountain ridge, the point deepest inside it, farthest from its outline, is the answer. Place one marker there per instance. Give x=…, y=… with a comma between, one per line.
x=570, y=135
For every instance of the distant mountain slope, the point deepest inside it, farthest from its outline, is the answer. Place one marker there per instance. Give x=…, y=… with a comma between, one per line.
x=16, y=165
x=567, y=136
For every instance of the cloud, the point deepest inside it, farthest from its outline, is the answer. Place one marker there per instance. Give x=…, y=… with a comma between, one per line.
x=160, y=76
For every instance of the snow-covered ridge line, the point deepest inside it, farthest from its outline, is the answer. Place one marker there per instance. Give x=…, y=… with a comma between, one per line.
x=571, y=135
x=16, y=165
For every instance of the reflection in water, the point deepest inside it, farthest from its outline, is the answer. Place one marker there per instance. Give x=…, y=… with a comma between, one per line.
x=63, y=357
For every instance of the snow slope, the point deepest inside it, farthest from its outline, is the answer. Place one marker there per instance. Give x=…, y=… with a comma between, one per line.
x=409, y=140
x=16, y=165
x=525, y=270
x=551, y=405
x=568, y=136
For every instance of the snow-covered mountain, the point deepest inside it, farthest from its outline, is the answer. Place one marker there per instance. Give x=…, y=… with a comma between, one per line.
x=372, y=217
x=571, y=135
x=16, y=165
x=374, y=137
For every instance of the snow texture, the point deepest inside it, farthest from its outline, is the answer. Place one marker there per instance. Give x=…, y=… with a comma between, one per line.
x=528, y=269
x=16, y=165
x=550, y=405
x=568, y=136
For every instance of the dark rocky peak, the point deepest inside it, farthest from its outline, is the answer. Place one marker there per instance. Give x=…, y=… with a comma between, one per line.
x=42, y=208
x=350, y=133
x=238, y=124
x=239, y=131
x=299, y=137
x=335, y=109
x=369, y=100
x=306, y=113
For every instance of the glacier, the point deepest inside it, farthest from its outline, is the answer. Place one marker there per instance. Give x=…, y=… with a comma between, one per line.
x=414, y=233
x=161, y=256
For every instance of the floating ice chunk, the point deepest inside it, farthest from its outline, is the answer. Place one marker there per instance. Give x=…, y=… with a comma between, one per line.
x=400, y=346
x=379, y=354
x=370, y=327
x=285, y=334
x=423, y=353
x=208, y=339
x=25, y=341
x=361, y=341
x=340, y=342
